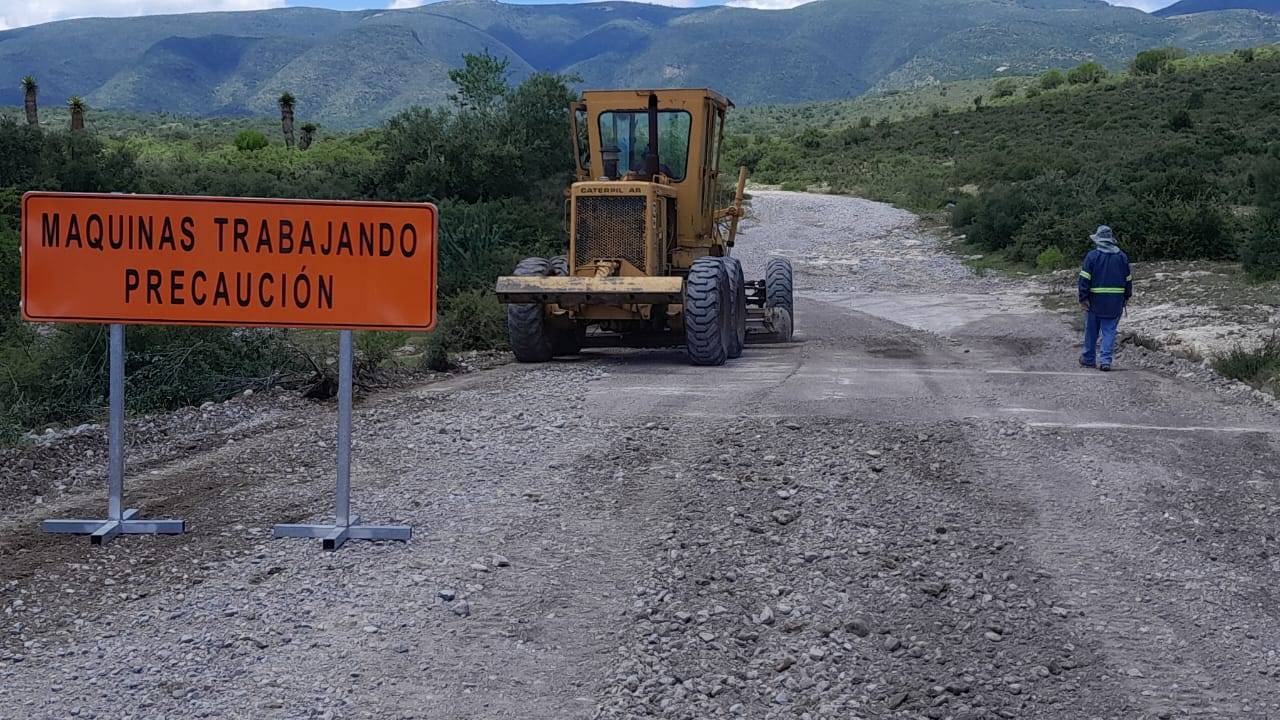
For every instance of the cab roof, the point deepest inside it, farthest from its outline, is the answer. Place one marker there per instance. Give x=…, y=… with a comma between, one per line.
x=626, y=96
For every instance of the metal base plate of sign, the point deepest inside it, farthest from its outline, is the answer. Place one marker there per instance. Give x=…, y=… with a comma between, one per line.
x=346, y=526
x=118, y=521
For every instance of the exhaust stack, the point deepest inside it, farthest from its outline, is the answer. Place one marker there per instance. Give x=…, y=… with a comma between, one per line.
x=651, y=157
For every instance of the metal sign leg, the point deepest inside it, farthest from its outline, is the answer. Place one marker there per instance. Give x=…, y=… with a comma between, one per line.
x=347, y=527
x=119, y=521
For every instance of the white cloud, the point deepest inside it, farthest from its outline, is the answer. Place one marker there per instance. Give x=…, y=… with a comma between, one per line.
x=766, y=4
x=20, y=13
x=407, y=4
x=1147, y=5
x=672, y=3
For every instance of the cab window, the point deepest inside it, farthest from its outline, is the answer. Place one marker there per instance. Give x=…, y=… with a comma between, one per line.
x=628, y=130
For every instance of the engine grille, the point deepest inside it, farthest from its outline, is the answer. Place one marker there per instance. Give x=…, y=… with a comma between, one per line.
x=610, y=227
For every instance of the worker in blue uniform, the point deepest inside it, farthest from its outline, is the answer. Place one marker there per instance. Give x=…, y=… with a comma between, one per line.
x=1106, y=284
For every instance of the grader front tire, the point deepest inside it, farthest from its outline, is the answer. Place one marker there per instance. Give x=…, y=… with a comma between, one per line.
x=707, y=312
x=738, y=294
x=560, y=266
x=564, y=340
x=778, y=290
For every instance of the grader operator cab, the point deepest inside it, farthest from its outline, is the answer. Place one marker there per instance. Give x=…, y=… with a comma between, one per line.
x=648, y=262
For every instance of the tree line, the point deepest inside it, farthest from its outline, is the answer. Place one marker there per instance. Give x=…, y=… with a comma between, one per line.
x=248, y=139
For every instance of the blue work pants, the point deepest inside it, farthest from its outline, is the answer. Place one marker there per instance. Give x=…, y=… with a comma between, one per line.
x=1093, y=327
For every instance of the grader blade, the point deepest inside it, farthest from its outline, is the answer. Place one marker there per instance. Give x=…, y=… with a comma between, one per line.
x=768, y=325
x=570, y=291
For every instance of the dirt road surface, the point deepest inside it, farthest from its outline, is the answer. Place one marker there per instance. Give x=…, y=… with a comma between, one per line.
x=922, y=508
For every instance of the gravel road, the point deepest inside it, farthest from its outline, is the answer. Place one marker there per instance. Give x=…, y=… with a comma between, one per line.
x=921, y=508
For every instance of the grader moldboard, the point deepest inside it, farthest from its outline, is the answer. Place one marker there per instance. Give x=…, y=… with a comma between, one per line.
x=648, y=262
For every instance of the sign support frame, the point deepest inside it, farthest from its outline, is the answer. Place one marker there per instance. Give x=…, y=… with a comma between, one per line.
x=118, y=521
x=346, y=526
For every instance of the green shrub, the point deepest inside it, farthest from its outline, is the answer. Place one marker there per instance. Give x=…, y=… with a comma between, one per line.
x=10, y=280
x=1086, y=74
x=1004, y=87
x=471, y=320
x=251, y=141
x=1176, y=229
x=1049, y=259
x=1261, y=253
x=1152, y=62
x=373, y=348
x=61, y=377
x=171, y=367
x=472, y=252
x=992, y=219
x=1259, y=367
x=1052, y=79
x=1266, y=181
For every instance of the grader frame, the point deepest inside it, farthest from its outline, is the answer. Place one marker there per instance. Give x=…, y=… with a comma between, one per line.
x=648, y=262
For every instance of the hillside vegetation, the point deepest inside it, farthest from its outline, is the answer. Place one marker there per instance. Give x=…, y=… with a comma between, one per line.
x=1182, y=162
x=1187, y=7
x=356, y=69
x=878, y=107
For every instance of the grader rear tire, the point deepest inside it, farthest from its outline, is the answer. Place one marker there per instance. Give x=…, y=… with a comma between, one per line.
x=738, y=294
x=560, y=266
x=564, y=341
x=531, y=341
x=707, y=312
x=778, y=293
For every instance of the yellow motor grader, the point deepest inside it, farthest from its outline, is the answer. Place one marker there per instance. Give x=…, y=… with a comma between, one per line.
x=649, y=260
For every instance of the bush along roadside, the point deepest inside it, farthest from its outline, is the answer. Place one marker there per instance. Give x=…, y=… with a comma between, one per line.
x=1259, y=367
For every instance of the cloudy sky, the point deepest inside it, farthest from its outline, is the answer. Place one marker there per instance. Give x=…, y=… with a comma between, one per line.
x=18, y=13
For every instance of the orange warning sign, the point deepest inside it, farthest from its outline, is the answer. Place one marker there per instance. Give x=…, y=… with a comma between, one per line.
x=228, y=261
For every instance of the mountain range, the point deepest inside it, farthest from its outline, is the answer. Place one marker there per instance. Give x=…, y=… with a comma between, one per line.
x=355, y=69
x=1188, y=7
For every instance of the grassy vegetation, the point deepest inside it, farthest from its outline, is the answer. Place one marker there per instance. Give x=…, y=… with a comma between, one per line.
x=1258, y=367
x=157, y=126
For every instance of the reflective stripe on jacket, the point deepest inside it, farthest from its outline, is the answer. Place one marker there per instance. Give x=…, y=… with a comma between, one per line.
x=1106, y=282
